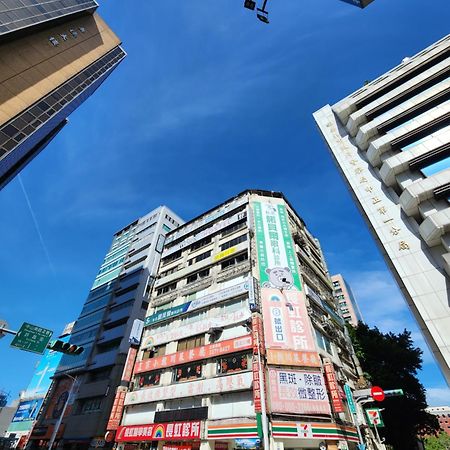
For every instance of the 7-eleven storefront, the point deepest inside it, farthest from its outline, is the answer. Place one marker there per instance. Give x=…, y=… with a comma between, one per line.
x=308, y=435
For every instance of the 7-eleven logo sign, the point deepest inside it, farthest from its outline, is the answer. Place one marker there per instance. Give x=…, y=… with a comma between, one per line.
x=374, y=417
x=304, y=430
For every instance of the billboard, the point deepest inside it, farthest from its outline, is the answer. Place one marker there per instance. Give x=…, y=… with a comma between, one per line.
x=159, y=431
x=287, y=326
x=27, y=410
x=298, y=392
x=40, y=383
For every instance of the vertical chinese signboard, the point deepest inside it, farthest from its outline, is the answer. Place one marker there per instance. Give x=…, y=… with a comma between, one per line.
x=116, y=412
x=258, y=350
x=333, y=388
x=287, y=327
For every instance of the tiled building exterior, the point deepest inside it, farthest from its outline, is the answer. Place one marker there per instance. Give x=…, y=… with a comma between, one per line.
x=53, y=56
x=119, y=297
x=391, y=142
x=243, y=294
x=443, y=415
x=346, y=302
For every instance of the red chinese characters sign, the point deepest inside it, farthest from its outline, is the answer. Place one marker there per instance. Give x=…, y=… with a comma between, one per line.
x=195, y=354
x=286, y=323
x=159, y=431
x=333, y=387
x=128, y=369
x=117, y=409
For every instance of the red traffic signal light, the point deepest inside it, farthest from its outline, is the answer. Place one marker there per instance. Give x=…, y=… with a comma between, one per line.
x=65, y=347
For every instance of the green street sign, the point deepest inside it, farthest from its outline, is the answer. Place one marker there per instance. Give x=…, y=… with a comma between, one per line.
x=32, y=338
x=350, y=401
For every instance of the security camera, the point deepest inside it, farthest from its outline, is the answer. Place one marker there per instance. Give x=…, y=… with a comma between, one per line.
x=250, y=4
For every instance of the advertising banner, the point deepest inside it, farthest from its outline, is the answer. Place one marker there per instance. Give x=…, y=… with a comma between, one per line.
x=333, y=387
x=201, y=326
x=276, y=252
x=200, y=302
x=292, y=358
x=286, y=323
x=40, y=383
x=229, y=383
x=298, y=392
x=350, y=401
x=175, y=431
x=27, y=410
x=116, y=412
x=195, y=354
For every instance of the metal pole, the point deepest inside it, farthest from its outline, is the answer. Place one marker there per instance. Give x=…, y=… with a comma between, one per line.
x=60, y=418
x=263, y=399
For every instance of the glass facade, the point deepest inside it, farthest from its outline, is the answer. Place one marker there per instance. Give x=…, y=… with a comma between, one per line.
x=18, y=14
x=18, y=136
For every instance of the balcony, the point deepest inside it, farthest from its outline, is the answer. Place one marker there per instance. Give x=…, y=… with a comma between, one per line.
x=104, y=359
x=112, y=334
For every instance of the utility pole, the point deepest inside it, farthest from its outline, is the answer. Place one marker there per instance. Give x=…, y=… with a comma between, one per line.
x=60, y=418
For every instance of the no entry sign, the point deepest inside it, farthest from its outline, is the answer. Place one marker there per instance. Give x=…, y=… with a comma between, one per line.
x=377, y=393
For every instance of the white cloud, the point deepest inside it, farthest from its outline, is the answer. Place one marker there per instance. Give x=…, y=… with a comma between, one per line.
x=438, y=396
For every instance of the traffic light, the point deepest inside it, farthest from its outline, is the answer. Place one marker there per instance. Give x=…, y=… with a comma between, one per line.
x=65, y=347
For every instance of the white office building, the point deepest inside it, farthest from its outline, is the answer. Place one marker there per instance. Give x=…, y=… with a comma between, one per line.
x=391, y=141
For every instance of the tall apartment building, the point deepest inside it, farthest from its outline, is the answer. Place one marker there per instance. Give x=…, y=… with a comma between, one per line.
x=119, y=297
x=32, y=398
x=241, y=322
x=53, y=55
x=346, y=302
x=391, y=142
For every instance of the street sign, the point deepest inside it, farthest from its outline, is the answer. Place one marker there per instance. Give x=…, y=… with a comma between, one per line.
x=350, y=402
x=377, y=393
x=361, y=446
x=32, y=338
x=374, y=417
x=394, y=393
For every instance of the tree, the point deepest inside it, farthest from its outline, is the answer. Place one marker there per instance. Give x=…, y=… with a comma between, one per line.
x=391, y=361
x=439, y=442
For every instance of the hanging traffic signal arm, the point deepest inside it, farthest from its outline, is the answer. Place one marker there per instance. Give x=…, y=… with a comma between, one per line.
x=65, y=347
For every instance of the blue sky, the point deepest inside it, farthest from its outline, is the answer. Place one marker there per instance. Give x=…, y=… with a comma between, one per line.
x=208, y=102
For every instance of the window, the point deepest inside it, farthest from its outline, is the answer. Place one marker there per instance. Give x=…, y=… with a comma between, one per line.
x=157, y=351
x=323, y=342
x=171, y=257
x=98, y=375
x=233, y=261
x=91, y=405
x=197, y=276
x=167, y=288
x=189, y=372
x=170, y=271
x=148, y=379
x=199, y=258
x=233, y=363
x=233, y=242
x=232, y=228
x=201, y=243
x=191, y=342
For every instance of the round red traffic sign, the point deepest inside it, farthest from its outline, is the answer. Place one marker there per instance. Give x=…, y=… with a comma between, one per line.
x=377, y=393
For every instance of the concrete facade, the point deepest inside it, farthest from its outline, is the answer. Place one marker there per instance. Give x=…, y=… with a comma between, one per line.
x=391, y=142
x=118, y=298
x=347, y=304
x=47, y=69
x=243, y=305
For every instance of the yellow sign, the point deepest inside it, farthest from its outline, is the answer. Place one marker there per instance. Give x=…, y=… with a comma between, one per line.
x=224, y=254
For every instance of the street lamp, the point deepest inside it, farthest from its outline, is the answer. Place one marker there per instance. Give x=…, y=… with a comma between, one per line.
x=60, y=418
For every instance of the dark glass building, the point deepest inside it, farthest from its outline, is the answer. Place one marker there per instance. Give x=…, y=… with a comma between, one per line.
x=119, y=296
x=53, y=56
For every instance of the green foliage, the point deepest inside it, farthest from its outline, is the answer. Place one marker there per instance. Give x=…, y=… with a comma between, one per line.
x=438, y=442
x=392, y=362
